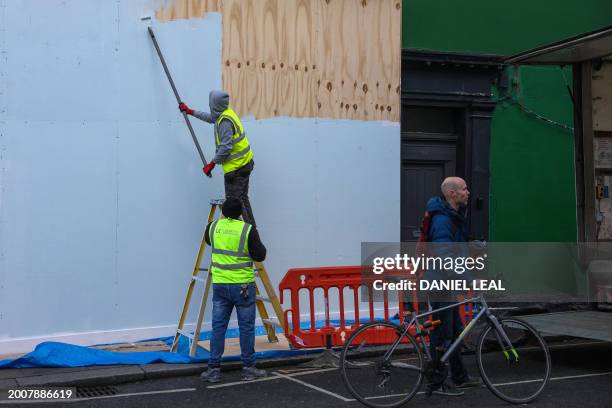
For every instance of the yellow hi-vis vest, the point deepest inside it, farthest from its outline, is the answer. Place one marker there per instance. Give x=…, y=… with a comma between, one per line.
x=241, y=152
x=231, y=262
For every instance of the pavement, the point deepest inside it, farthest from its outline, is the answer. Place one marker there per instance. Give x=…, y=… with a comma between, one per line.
x=117, y=374
x=581, y=378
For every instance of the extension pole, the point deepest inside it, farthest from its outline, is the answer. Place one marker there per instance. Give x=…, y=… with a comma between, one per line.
x=178, y=98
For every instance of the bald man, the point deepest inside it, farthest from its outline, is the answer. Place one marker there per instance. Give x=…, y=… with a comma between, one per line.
x=455, y=192
x=448, y=226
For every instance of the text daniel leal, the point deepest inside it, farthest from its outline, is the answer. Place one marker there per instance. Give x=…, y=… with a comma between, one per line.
x=445, y=284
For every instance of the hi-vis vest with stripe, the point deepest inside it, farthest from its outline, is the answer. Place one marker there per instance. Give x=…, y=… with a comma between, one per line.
x=241, y=152
x=231, y=262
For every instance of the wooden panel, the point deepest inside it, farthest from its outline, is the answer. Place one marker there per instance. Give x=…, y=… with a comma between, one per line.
x=308, y=58
x=360, y=53
x=268, y=53
x=232, y=345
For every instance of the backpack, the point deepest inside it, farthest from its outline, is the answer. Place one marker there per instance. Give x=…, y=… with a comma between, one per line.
x=421, y=249
x=424, y=234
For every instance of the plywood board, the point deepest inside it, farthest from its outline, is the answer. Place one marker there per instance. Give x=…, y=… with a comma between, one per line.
x=360, y=54
x=184, y=9
x=135, y=347
x=232, y=346
x=307, y=58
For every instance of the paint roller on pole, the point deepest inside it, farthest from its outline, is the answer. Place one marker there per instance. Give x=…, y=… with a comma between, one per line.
x=178, y=98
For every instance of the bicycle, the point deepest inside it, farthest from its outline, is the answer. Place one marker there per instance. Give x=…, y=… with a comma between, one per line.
x=382, y=363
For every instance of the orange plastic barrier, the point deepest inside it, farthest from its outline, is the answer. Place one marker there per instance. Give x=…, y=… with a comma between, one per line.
x=325, y=278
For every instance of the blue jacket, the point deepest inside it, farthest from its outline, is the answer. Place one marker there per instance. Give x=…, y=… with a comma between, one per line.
x=447, y=225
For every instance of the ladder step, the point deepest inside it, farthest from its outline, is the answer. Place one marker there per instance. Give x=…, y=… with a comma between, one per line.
x=263, y=299
x=202, y=269
x=270, y=322
x=197, y=278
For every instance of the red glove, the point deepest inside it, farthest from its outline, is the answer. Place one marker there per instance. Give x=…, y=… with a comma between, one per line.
x=208, y=168
x=186, y=109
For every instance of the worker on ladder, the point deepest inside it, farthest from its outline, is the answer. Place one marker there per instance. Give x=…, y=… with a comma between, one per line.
x=235, y=245
x=232, y=149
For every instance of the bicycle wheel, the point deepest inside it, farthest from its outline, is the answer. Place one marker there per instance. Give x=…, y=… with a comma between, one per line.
x=373, y=380
x=518, y=377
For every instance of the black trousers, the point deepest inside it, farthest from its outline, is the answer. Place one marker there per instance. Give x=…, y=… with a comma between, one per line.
x=443, y=336
x=237, y=185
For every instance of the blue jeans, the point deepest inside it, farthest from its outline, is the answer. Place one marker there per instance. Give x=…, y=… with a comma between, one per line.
x=226, y=296
x=443, y=336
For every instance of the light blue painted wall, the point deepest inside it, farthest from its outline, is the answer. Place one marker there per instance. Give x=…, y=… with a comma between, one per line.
x=102, y=198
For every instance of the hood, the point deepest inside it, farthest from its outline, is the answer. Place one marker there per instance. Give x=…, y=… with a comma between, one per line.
x=440, y=205
x=218, y=102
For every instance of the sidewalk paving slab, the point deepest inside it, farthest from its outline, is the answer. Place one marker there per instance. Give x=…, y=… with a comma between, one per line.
x=162, y=370
x=7, y=373
x=100, y=375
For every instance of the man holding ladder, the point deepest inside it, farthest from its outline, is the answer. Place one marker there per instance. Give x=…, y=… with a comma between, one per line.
x=235, y=245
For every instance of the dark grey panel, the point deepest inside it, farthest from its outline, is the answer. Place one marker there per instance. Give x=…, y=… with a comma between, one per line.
x=478, y=172
x=428, y=120
x=424, y=152
x=421, y=181
x=441, y=80
x=424, y=166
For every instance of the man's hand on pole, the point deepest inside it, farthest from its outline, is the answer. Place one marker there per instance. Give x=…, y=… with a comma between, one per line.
x=185, y=109
x=208, y=168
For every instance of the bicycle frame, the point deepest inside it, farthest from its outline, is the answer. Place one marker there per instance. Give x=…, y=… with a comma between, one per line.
x=502, y=337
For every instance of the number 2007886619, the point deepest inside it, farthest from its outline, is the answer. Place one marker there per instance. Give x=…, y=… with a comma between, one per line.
x=39, y=393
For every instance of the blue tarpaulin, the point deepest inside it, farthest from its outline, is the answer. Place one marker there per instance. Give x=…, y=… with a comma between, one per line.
x=54, y=354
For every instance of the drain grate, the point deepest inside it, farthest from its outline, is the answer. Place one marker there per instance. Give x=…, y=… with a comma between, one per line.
x=88, y=392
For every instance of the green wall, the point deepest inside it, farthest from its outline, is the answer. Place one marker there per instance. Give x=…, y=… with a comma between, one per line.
x=533, y=194
x=496, y=27
x=532, y=185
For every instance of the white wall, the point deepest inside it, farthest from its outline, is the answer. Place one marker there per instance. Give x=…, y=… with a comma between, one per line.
x=102, y=198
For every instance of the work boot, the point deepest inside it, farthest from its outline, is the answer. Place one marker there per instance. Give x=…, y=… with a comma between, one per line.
x=251, y=373
x=449, y=390
x=212, y=375
x=468, y=382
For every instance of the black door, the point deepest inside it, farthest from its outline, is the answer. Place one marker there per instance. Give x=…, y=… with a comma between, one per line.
x=429, y=154
x=446, y=125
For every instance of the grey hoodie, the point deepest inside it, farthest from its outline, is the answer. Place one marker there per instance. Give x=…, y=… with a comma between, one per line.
x=218, y=102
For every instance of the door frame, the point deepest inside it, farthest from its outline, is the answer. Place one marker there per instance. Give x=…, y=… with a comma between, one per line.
x=463, y=82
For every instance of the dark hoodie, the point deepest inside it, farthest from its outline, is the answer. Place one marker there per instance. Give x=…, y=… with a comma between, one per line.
x=218, y=102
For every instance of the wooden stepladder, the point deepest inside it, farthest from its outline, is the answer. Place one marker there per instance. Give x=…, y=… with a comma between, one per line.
x=260, y=271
